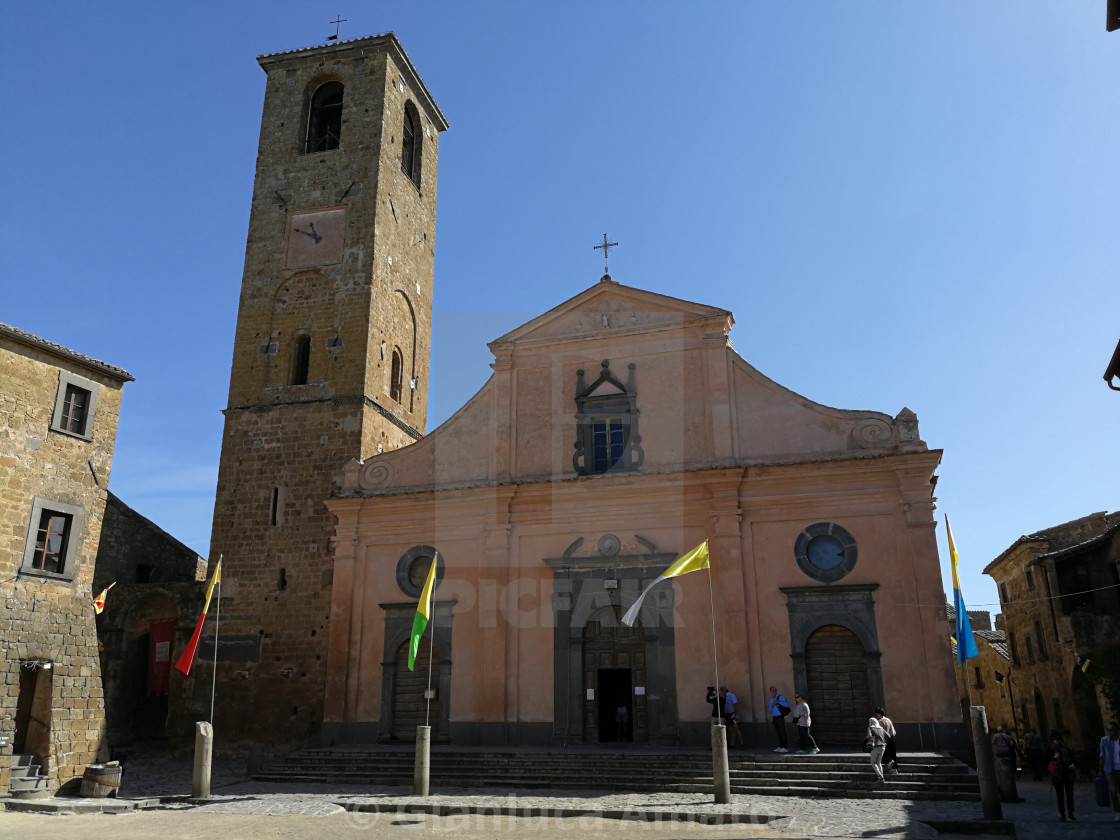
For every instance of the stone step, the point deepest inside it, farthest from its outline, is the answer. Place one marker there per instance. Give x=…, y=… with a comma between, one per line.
x=24, y=762
x=921, y=776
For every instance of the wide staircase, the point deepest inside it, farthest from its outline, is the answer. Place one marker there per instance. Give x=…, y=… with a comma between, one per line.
x=920, y=775
x=28, y=780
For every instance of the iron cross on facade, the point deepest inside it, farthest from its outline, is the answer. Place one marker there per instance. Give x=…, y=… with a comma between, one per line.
x=337, y=23
x=606, y=249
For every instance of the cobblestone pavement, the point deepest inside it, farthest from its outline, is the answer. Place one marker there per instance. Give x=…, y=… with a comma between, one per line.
x=235, y=797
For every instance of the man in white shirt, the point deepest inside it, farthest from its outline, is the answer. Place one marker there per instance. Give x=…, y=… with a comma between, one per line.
x=730, y=701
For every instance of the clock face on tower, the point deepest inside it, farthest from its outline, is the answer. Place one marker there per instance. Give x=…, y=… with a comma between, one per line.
x=315, y=237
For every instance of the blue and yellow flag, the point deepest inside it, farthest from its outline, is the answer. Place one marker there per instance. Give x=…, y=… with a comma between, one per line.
x=1000, y=678
x=966, y=642
x=1082, y=662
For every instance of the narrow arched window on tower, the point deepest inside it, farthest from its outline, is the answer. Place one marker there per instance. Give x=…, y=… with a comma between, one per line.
x=395, y=376
x=324, y=118
x=301, y=360
x=411, y=144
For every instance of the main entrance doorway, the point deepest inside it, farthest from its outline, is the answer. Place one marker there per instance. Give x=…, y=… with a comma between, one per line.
x=614, y=679
x=839, y=691
x=409, y=702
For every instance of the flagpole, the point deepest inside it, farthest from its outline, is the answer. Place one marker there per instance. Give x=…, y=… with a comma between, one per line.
x=431, y=654
x=715, y=655
x=217, y=622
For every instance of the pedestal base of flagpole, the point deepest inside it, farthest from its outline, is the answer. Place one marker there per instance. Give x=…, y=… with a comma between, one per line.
x=203, y=752
x=985, y=763
x=423, y=759
x=721, y=772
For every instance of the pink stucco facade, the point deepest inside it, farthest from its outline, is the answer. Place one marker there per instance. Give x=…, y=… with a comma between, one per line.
x=533, y=554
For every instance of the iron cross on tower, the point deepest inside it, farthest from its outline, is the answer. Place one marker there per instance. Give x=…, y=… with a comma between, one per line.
x=606, y=249
x=337, y=23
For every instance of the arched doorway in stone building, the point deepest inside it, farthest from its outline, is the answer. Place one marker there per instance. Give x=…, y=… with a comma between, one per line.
x=838, y=687
x=614, y=664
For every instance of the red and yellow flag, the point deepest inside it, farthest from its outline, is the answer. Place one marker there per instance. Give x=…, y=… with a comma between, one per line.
x=187, y=659
x=99, y=601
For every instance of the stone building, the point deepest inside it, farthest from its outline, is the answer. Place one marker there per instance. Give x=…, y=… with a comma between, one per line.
x=158, y=590
x=1058, y=588
x=978, y=679
x=330, y=360
x=59, y=410
x=617, y=431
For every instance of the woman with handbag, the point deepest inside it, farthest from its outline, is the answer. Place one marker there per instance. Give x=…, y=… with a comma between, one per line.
x=1063, y=773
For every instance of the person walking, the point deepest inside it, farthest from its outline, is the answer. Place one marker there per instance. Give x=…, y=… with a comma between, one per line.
x=802, y=720
x=730, y=702
x=716, y=699
x=890, y=754
x=1063, y=774
x=779, y=708
x=1003, y=745
x=877, y=737
x=1036, y=753
x=1110, y=766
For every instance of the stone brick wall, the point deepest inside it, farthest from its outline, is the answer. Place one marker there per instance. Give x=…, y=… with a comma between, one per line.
x=130, y=542
x=47, y=620
x=284, y=443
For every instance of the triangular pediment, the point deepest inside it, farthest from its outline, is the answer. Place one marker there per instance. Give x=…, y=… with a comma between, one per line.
x=610, y=308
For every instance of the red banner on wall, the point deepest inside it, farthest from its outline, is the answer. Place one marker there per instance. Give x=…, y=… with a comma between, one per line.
x=161, y=640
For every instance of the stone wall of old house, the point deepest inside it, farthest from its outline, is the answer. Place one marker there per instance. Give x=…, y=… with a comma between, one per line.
x=368, y=297
x=156, y=578
x=1043, y=640
x=133, y=549
x=47, y=621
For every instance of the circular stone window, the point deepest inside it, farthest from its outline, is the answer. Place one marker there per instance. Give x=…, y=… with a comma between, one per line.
x=825, y=552
x=413, y=568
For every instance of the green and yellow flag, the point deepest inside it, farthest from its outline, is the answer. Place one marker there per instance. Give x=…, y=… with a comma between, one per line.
x=423, y=613
x=691, y=562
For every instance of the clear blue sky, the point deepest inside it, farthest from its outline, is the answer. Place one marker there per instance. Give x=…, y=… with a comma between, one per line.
x=903, y=204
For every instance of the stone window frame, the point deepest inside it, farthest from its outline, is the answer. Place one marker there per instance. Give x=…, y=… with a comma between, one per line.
x=592, y=407
x=73, y=544
x=830, y=529
x=300, y=372
x=412, y=144
x=66, y=380
x=312, y=142
x=404, y=580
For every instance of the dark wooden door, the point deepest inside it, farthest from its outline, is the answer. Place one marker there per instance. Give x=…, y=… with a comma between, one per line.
x=409, y=704
x=839, y=694
x=608, y=645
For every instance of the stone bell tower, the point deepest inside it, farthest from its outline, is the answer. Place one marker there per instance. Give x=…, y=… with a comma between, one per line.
x=330, y=363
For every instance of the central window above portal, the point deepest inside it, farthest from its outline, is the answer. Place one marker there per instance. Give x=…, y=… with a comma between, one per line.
x=607, y=438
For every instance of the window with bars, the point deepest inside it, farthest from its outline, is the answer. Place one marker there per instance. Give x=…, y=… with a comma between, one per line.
x=1030, y=650
x=74, y=406
x=1041, y=637
x=324, y=118
x=52, y=541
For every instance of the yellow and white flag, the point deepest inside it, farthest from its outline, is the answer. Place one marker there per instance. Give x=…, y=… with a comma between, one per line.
x=693, y=561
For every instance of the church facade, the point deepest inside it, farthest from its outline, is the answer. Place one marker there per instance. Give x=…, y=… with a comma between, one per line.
x=617, y=431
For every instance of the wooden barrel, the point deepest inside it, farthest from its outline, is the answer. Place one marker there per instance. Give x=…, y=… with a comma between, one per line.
x=101, y=780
